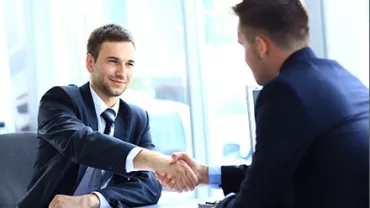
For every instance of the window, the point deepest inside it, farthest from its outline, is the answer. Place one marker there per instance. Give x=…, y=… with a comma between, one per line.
x=347, y=35
x=18, y=45
x=225, y=78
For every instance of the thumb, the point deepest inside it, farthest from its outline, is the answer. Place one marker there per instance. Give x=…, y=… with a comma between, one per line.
x=174, y=158
x=182, y=156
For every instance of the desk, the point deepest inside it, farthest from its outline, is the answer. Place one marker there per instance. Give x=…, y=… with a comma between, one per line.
x=189, y=203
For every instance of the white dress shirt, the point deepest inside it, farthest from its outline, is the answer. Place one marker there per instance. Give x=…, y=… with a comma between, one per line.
x=100, y=107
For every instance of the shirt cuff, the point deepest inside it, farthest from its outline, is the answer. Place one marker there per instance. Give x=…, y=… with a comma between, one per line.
x=103, y=201
x=130, y=159
x=214, y=174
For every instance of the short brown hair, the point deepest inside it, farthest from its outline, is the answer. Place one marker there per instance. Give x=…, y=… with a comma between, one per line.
x=284, y=21
x=109, y=32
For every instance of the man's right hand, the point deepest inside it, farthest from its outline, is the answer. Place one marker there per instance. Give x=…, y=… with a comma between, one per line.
x=201, y=171
x=181, y=175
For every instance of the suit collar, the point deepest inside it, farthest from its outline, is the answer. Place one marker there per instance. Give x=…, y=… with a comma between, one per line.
x=302, y=54
x=123, y=121
x=99, y=104
x=123, y=111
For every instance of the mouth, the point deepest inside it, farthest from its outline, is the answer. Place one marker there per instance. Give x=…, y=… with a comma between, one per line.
x=115, y=81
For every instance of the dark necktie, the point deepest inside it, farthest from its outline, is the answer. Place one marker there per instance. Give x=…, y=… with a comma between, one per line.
x=109, y=116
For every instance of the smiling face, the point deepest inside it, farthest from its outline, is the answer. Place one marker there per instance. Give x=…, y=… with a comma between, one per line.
x=112, y=71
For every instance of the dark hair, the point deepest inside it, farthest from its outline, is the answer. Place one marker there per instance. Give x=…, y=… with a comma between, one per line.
x=109, y=32
x=284, y=21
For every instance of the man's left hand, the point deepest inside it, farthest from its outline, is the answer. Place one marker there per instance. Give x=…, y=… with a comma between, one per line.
x=84, y=201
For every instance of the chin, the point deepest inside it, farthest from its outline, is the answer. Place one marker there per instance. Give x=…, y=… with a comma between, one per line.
x=260, y=81
x=117, y=92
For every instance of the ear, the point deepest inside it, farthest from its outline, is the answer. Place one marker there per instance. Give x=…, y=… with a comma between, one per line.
x=90, y=62
x=262, y=46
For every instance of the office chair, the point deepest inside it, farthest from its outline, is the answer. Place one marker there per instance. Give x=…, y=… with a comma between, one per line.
x=17, y=155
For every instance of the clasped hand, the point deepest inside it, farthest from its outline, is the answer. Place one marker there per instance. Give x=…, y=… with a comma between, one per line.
x=183, y=173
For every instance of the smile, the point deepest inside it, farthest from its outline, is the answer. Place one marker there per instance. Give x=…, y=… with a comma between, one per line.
x=118, y=81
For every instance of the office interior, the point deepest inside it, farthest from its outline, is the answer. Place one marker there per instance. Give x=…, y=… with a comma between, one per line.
x=190, y=74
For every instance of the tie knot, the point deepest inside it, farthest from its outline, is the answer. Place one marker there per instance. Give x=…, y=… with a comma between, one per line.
x=109, y=116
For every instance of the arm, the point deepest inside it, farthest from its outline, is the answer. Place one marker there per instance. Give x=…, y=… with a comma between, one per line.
x=60, y=126
x=139, y=190
x=228, y=178
x=232, y=177
x=283, y=136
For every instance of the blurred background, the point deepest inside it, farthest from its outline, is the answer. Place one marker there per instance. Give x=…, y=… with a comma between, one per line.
x=190, y=73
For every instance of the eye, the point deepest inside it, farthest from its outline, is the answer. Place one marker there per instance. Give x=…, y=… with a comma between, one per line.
x=130, y=64
x=113, y=61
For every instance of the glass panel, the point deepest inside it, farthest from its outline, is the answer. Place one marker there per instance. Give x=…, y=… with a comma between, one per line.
x=347, y=36
x=225, y=78
x=16, y=24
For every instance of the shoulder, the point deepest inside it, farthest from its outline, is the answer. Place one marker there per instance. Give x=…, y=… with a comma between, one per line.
x=277, y=90
x=133, y=111
x=62, y=92
x=65, y=95
x=279, y=100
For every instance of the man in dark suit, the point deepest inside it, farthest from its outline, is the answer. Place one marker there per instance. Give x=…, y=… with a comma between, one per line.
x=312, y=120
x=95, y=149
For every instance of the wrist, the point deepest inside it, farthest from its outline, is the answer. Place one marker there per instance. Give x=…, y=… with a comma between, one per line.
x=203, y=174
x=148, y=160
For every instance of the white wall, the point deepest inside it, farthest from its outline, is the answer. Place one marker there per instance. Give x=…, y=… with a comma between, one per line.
x=347, y=35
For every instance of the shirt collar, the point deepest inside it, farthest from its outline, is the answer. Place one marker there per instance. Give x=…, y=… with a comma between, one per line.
x=99, y=104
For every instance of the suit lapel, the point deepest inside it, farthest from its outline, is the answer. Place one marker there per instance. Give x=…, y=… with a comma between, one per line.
x=91, y=115
x=122, y=124
x=89, y=106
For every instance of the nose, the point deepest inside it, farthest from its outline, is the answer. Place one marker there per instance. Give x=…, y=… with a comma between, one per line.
x=122, y=71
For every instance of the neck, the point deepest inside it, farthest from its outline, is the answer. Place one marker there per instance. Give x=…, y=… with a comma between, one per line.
x=283, y=55
x=108, y=100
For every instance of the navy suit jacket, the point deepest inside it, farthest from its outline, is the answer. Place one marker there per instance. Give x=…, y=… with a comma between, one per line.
x=69, y=141
x=312, y=127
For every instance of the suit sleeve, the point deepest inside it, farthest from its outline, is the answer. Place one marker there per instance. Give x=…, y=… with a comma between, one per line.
x=232, y=177
x=139, y=190
x=59, y=125
x=284, y=135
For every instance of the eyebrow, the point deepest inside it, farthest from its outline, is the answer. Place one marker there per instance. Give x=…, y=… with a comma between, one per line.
x=117, y=59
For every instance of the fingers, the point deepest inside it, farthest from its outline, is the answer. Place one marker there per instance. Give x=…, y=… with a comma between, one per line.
x=180, y=173
x=180, y=183
x=174, y=178
x=190, y=179
x=185, y=177
x=165, y=180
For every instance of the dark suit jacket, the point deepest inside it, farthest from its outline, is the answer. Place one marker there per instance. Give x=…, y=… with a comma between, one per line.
x=69, y=141
x=312, y=126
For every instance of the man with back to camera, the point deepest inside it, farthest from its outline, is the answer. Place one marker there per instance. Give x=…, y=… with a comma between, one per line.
x=93, y=147
x=312, y=120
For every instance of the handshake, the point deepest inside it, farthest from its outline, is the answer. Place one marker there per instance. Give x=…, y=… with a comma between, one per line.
x=180, y=172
